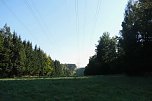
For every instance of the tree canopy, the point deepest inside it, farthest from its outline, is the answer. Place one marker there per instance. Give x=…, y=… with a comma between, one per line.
x=136, y=36
x=106, y=55
x=19, y=58
x=131, y=52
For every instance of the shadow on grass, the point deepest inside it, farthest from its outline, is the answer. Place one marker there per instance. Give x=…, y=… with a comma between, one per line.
x=106, y=88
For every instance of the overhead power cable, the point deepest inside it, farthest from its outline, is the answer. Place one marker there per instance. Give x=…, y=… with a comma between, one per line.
x=84, y=24
x=97, y=15
x=39, y=14
x=12, y=12
x=77, y=30
x=77, y=16
x=34, y=13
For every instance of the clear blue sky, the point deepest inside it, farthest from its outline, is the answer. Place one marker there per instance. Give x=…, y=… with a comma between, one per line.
x=67, y=30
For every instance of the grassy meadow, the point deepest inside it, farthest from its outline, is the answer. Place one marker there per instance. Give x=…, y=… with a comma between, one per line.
x=98, y=88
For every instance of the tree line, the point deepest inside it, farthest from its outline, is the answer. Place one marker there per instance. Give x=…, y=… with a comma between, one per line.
x=131, y=51
x=19, y=58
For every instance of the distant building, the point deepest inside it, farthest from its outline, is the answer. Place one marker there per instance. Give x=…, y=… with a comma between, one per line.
x=71, y=66
x=80, y=71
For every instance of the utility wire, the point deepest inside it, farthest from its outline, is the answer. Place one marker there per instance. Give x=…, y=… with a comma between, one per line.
x=37, y=19
x=77, y=16
x=84, y=23
x=97, y=15
x=12, y=12
x=34, y=14
x=39, y=15
x=77, y=30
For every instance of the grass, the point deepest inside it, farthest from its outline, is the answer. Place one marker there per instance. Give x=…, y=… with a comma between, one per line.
x=99, y=88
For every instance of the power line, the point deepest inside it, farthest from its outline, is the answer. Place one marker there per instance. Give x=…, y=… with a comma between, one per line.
x=84, y=23
x=77, y=28
x=34, y=11
x=77, y=16
x=34, y=14
x=39, y=15
x=98, y=8
x=12, y=12
x=97, y=14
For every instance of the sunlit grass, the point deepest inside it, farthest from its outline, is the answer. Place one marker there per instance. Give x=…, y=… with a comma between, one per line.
x=41, y=78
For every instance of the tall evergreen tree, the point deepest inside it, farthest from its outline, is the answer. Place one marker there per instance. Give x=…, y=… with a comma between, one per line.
x=18, y=58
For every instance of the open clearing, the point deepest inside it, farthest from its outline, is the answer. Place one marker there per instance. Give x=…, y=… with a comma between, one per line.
x=98, y=88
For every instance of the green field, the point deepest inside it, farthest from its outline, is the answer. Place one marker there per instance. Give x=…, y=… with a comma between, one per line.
x=99, y=88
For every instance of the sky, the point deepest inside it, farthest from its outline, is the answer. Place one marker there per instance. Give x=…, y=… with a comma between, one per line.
x=67, y=30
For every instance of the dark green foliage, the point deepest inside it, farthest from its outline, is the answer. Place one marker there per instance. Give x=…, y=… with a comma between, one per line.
x=130, y=53
x=62, y=69
x=106, y=49
x=106, y=59
x=18, y=58
x=137, y=37
x=57, y=68
x=66, y=71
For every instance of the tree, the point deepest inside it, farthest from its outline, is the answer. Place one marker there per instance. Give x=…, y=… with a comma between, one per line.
x=28, y=70
x=106, y=49
x=18, y=58
x=137, y=36
x=48, y=65
x=93, y=67
x=1, y=53
x=106, y=54
x=1, y=41
x=57, y=68
x=7, y=53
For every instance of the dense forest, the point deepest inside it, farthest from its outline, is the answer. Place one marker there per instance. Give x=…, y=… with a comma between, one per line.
x=19, y=58
x=131, y=51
